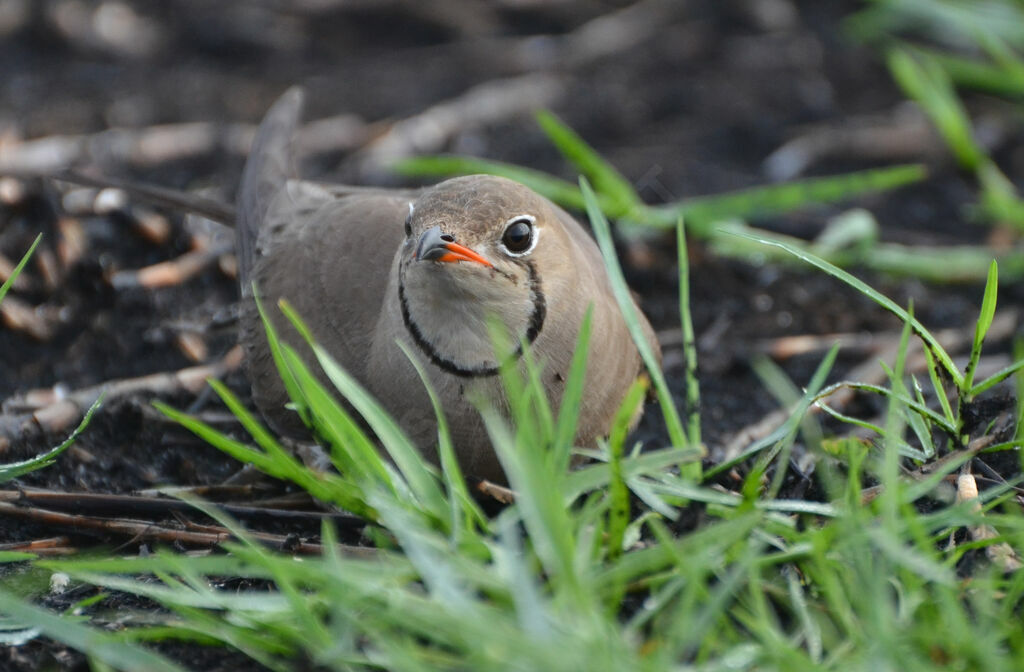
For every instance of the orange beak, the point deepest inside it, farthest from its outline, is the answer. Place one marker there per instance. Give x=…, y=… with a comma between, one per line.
x=437, y=246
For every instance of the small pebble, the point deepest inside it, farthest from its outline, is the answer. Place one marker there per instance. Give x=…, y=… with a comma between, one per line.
x=110, y=200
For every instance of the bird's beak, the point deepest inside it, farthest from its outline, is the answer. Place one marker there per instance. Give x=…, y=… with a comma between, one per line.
x=437, y=246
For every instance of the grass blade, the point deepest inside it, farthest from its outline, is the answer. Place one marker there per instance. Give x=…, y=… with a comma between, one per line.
x=458, y=493
x=420, y=478
x=604, y=240
x=9, y=282
x=937, y=350
x=927, y=83
x=988, y=312
x=703, y=211
x=16, y=469
x=997, y=377
x=605, y=178
x=618, y=494
x=291, y=385
x=108, y=648
x=689, y=339
x=940, y=389
x=326, y=487
x=572, y=397
x=810, y=396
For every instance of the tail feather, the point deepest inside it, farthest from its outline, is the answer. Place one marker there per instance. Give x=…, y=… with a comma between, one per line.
x=270, y=165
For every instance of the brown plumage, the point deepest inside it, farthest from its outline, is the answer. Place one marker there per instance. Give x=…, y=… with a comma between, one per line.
x=367, y=267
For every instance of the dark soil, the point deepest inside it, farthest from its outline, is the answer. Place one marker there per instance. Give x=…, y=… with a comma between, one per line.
x=692, y=109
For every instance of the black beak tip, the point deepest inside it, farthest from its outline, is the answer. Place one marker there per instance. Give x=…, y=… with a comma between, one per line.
x=431, y=244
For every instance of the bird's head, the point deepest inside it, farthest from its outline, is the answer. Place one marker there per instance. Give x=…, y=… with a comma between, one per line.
x=475, y=250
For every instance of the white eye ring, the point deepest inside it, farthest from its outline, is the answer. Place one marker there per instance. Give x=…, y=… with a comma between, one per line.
x=534, y=235
x=408, y=221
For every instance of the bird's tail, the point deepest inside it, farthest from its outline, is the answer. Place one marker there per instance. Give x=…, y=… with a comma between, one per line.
x=270, y=164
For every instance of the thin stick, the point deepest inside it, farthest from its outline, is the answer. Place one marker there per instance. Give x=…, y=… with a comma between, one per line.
x=171, y=273
x=213, y=535
x=105, y=504
x=68, y=410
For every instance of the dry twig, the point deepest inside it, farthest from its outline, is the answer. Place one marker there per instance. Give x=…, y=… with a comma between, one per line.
x=484, y=104
x=100, y=504
x=62, y=411
x=208, y=535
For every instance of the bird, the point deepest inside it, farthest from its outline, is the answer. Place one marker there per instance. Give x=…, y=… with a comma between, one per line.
x=371, y=268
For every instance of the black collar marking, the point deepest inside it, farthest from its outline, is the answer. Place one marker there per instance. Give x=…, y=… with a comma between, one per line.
x=532, y=331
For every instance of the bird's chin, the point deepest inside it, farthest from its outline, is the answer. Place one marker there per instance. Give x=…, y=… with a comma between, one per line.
x=448, y=314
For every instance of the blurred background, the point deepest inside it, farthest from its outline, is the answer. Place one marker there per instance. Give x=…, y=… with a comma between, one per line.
x=683, y=96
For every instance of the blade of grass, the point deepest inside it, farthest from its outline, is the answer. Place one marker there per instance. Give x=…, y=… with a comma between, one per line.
x=1018, y=379
x=291, y=385
x=785, y=391
x=810, y=396
x=606, y=180
x=889, y=394
x=703, y=211
x=981, y=327
x=285, y=581
x=997, y=377
x=997, y=78
x=689, y=339
x=595, y=476
x=927, y=83
x=263, y=438
x=419, y=476
x=939, y=388
x=629, y=313
x=353, y=453
x=889, y=500
x=940, y=353
x=326, y=487
x=465, y=511
x=539, y=499
x=618, y=494
x=572, y=397
x=918, y=423
x=906, y=450
x=16, y=469
x=100, y=645
x=9, y=282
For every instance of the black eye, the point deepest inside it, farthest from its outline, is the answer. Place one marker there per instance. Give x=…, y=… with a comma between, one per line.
x=518, y=236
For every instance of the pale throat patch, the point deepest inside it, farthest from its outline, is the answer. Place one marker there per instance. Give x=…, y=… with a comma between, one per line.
x=450, y=323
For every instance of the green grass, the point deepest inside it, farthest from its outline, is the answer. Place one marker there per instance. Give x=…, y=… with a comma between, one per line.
x=12, y=470
x=6, y=286
x=932, y=48
x=594, y=568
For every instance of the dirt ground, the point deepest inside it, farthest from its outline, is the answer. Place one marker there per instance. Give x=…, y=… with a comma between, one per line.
x=685, y=97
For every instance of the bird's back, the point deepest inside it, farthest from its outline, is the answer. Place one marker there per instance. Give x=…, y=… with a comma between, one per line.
x=326, y=252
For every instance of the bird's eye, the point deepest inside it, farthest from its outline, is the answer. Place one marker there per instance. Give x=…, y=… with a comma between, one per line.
x=520, y=235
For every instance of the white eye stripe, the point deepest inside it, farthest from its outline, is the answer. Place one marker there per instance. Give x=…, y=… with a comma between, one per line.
x=534, y=235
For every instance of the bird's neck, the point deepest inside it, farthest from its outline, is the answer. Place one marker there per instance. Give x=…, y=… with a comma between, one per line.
x=454, y=330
